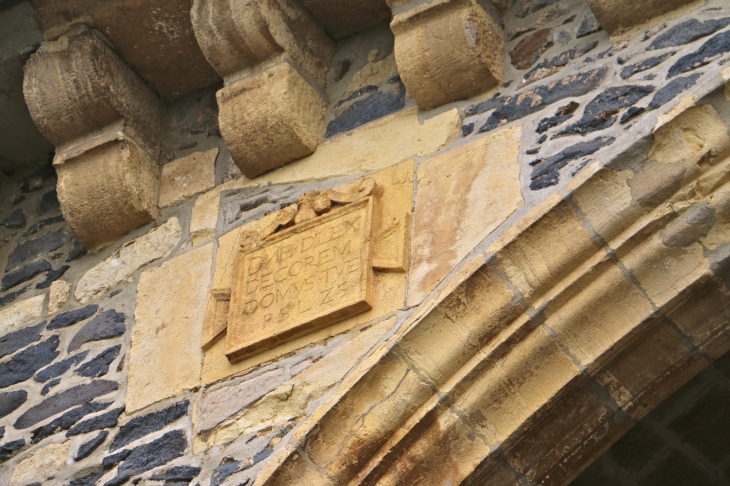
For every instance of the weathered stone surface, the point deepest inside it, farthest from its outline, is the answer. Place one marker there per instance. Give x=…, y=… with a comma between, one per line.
x=205, y=217
x=99, y=365
x=649, y=63
x=602, y=111
x=11, y=296
x=372, y=74
x=710, y=50
x=670, y=90
x=59, y=368
x=14, y=341
x=63, y=401
x=187, y=177
x=529, y=49
x=90, y=446
x=112, y=460
x=11, y=401
x=77, y=250
x=51, y=277
x=31, y=249
x=616, y=16
x=526, y=103
x=553, y=65
x=19, y=313
x=109, y=324
x=270, y=119
x=9, y=449
x=49, y=461
x=152, y=246
x=16, y=220
x=48, y=202
x=547, y=171
x=42, y=224
x=87, y=480
x=170, y=310
x=65, y=421
x=448, y=51
x=24, y=364
x=103, y=421
x=377, y=105
x=58, y=296
x=158, y=452
x=72, y=317
x=11, y=279
x=688, y=31
x=342, y=19
x=588, y=26
x=178, y=473
x=48, y=386
x=551, y=122
x=463, y=195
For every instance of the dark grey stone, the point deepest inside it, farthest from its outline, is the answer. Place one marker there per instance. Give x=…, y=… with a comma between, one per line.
x=24, y=364
x=146, y=424
x=15, y=220
x=589, y=25
x=148, y=456
x=632, y=113
x=48, y=202
x=9, y=449
x=14, y=341
x=224, y=471
x=483, y=106
x=103, y=421
x=547, y=172
x=17, y=199
x=526, y=103
x=357, y=94
x=670, y=90
x=11, y=401
x=115, y=293
x=8, y=298
x=112, y=460
x=2, y=432
x=601, y=112
x=24, y=274
x=40, y=176
x=57, y=369
x=639, y=67
x=43, y=224
x=51, y=277
x=688, y=31
x=67, y=420
x=90, y=446
x=31, y=249
x=72, y=317
x=107, y=325
x=177, y=473
x=549, y=66
x=77, y=250
x=375, y=106
x=63, y=401
x=88, y=480
x=48, y=386
x=551, y=122
x=467, y=129
x=99, y=365
x=710, y=50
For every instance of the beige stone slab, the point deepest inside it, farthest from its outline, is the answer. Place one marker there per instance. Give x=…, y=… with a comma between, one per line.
x=372, y=147
x=165, y=357
x=45, y=462
x=58, y=296
x=186, y=177
x=122, y=264
x=205, y=216
x=461, y=197
x=21, y=312
x=374, y=72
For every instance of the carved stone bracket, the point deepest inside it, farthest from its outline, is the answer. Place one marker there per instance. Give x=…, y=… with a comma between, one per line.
x=273, y=57
x=107, y=127
x=618, y=15
x=447, y=50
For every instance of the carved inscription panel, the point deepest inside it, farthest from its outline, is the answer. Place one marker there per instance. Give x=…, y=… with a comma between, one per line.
x=304, y=277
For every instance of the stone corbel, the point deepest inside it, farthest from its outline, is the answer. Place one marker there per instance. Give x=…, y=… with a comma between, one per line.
x=447, y=50
x=107, y=126
x=273, y=57
x=616, y=16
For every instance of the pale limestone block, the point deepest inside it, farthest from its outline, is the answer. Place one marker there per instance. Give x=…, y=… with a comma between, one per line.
x=187, y=177
x=165, y=356
x=205, y=216
x=58, y=296
x=21, y=312
x=461, y=197
x=270, y=119
x=616, y=16
x=374, y=146
x=447, y=51
x=122, y=264
x=374, y=72
x=44, y=463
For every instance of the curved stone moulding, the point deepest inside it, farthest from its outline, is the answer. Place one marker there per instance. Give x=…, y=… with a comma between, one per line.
x=447, y=50
x=616, y=16
x=534, y=359
x=273, y=57
x=107, y=127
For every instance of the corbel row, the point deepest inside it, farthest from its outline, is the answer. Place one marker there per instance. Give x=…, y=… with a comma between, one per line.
x=273, y=55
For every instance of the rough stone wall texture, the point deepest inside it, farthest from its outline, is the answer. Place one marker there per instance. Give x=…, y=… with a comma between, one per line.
x=86, y=396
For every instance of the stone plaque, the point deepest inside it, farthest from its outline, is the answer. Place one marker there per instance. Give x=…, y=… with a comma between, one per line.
x=302, y=278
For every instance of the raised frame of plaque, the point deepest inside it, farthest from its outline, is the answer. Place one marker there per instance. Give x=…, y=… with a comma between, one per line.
x=300, y=279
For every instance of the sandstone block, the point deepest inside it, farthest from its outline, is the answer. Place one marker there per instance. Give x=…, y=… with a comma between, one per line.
x=165, y=357
x=616, y=16
x=270, y=119
x=205, y=217
x=46, y=461
x=344, y=18
x=462, y=196
x=12, y=316
x=122, y=264
x=58, y=296
x=187, y=177
x=448, y=50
